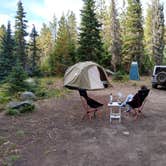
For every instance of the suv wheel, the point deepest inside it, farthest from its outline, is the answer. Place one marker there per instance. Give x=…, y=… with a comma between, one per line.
x=161, y=77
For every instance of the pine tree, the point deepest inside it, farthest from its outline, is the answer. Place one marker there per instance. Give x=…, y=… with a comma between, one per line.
x=148, y=36
x=20, y=34
x=53, y=27
x=116, y=40
x=90, y=44
x=16, y=78
x=45, y=44
x=2, y=33
x=2, y=30
x=61, y=58
x=164, y=59
x=65, y=45
x=158, y=32
x=133, y=37
x=34, y=52
x=72, y=34
x=7, y=53
x=104, y=17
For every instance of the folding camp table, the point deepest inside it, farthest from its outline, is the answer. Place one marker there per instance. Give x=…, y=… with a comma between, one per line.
x=115, y=111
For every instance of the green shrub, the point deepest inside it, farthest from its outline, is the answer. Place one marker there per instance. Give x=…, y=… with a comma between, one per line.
x=2, y=140
x=35, y=87
x=11, y=111
x=2, y=107
x=27, y=108
x=4, y=94
x=46, y=90
x=20, y=133
x=23, y=109
x=13, y=158
x=120, y=76
x=4, y=97
x=40, y=92
x=16, y=79
x=125, y=77
x=49, y=82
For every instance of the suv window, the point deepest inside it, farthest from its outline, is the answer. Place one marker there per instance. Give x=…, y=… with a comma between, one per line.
x=159, y=69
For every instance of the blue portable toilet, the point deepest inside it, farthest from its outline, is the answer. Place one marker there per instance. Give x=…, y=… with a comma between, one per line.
x=134, y=72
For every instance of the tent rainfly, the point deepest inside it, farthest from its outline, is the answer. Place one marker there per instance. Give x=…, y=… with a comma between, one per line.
x=86, y=75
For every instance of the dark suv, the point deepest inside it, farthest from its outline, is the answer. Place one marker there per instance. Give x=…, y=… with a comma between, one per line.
x=159, y=76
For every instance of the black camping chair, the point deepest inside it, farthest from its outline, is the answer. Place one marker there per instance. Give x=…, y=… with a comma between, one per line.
x=90, y=105
x=138, y=101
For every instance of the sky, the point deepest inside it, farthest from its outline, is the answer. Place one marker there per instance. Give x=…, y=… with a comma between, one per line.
x=38, y=11
x=42, y=11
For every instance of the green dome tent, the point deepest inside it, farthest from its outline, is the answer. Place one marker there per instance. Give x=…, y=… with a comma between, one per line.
x=86, y=75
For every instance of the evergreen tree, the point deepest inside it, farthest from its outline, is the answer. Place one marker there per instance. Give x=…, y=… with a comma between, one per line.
x=133, y=37
x=16, y=78
x=65, y=46
x=164, y=60
x=60, y=58
x=158, y=32
x=6, y=54
x=45, y=44
x=53, y=27
x=122, y=21
x=72, y=34
x=34, y=56
x=20, y=34
x=90, y=44
x=116, y=41
x=148, y=36
x=2, y=32
x=104, y=17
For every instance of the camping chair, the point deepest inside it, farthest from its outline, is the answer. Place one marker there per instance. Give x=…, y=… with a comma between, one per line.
x=90, y=105
x=138, y=101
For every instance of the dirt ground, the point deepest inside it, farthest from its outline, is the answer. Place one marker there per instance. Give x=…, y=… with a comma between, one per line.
x=54, y=134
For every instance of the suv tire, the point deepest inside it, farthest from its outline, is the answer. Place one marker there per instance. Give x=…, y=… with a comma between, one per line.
x=161, y=77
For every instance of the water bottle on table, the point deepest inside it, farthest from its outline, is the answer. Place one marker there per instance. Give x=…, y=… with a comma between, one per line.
x=110, y=98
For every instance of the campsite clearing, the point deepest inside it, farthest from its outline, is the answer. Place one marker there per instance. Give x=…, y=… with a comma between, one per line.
x=54, y=134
